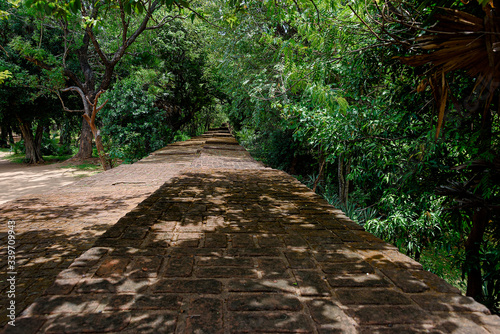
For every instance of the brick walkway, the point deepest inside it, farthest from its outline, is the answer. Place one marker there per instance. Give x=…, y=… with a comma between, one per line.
x=224, y=245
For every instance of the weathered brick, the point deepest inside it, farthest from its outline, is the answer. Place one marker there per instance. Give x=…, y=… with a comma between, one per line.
x=158, y=240
x=215, y=240
x=273, y=268
x=449, y=303
x=300, y=259
x=135, y=232
x=92, y=322
x=179, y=266
x=367, y=296
x=225, y=261
x=205, y=316
x=357, y=280
x=269, y=240
x=96, y=285
x=405, y=280
x=61, y=304
x=143, y=302
x=61, y=287
x=242, y=240
x=340, y=256
x=164, y=226
x=311, y=283
x=225, y=272
x=462, y=325
x=295, y=240
x=434, y=282
x=323, y=240
x=347, y=268
x=145, y=266
x=112, y=266
x=388, y=315
x=264, y=302
x=253, y=252
x=403, y=329
x=325, y=312
x=262, y=285
x=347, y=236
x=269, y=322
x=29, y=325
x=208, y=286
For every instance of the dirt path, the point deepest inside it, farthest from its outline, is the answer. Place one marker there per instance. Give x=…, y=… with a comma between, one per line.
x=17, y=180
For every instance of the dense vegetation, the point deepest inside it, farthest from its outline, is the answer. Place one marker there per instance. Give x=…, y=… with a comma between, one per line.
x=387, y=109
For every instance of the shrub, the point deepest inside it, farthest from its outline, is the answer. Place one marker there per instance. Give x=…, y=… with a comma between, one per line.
x=131, y=126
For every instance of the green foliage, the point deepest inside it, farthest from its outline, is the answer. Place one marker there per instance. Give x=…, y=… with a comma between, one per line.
x=131, y=126
x=49, y=147
x=5, y=75
x=18, y=148
x=314, y=83
x=410, y=232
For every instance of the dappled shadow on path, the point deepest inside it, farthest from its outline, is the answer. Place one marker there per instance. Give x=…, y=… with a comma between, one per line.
x=51, y=230
x=224, y=251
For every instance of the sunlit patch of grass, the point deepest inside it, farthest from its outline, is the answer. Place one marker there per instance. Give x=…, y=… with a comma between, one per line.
x=15, y=158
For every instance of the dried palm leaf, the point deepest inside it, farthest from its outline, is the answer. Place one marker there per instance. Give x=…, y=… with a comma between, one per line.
x=460, y=41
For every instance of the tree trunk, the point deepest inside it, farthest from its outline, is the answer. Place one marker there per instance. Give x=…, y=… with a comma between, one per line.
x=3, y=136
x=480, y=220
x=472, y=253
x=11, y=136
x=344, y=169
x=105, y=160
x=85, y=148
x=33, y=144
x=61, y=136
x=322, y=161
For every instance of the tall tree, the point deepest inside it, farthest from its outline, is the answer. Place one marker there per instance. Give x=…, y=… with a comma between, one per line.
x=90, y=50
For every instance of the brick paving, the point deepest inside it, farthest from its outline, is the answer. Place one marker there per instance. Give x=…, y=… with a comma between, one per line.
x=225, y=245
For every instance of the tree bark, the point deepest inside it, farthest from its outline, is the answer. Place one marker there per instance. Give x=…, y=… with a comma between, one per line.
x=105, y=161
x=344, y=169
x=33, y=144
x=11, y=136
x=472, y=253
x=3, y=136
x=322, y=161
x=85, y=148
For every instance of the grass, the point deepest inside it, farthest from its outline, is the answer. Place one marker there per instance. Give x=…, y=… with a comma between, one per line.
x=84, y=166
x=19, y=158
x=15, y=158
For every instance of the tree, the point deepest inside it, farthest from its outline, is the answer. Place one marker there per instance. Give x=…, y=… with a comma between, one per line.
x=26, y=102
x=90, y=54
x=329, y=81
x=460, y=41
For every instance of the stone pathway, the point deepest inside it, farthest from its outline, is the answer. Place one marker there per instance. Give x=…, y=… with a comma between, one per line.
x=225, y=245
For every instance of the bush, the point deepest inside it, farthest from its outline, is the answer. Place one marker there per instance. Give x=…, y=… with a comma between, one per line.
x=131, y=126
x=18, y=148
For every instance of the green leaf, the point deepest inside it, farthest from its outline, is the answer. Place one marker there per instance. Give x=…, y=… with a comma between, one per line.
x=5, y=75
x=75, y=5
x=128, y=7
